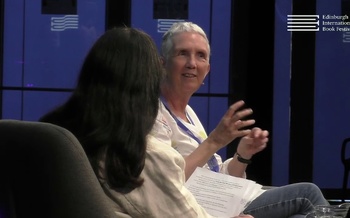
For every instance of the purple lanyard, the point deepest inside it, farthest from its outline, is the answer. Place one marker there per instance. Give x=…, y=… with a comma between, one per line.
x=212, y=162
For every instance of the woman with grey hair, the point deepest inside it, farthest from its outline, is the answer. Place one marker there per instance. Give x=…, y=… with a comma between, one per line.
x=185, y=56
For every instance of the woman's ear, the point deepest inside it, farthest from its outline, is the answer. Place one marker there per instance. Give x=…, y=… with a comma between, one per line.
x=208, y=70
x=162, y=61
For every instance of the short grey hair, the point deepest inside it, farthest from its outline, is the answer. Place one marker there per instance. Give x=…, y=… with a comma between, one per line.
x=180, y=27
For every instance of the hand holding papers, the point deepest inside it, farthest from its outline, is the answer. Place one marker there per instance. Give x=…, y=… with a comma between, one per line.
x=222, y=195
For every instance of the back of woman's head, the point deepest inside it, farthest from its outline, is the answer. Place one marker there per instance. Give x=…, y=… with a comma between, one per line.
x=176, y=28
x=115, y=103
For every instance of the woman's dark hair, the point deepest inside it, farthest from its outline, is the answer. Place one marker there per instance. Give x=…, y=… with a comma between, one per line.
x=115, y=103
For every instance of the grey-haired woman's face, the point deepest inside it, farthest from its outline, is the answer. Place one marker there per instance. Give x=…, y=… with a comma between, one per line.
x=188, y=62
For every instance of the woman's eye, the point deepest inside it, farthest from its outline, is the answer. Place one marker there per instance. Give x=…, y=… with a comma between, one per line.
x=202, y=55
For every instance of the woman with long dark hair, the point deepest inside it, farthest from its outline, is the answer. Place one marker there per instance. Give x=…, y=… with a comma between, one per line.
x=112, y=111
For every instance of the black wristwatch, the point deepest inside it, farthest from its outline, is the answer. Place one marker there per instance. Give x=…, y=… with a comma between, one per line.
x=243, y=160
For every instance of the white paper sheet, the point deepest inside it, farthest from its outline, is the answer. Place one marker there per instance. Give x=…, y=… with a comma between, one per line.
x=222, y=195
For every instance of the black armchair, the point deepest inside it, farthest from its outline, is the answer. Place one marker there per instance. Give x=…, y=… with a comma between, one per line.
x=46, y=173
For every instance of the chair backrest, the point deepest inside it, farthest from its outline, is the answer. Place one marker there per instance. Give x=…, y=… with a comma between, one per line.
x=44, y=172
x=343, y=150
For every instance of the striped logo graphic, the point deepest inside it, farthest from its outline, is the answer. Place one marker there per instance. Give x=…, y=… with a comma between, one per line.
x=65, y=22
x=346, y=37
x=165, y=24
x=303, y=22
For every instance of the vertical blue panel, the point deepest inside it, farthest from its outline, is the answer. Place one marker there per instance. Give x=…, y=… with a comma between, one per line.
x=211, y=116
x=34, y=108
x=217, y=109
x=36, y=103
x=142, y=18
x=332, y=94
x=218, y=77
x=53, y=56
x=281, y=119
x=201, y=109
x=13, y=42
x=12, y=105
x=37, y=54
x=220, y=46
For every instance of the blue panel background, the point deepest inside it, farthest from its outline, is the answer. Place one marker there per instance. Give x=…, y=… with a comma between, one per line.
x=331, y=98
x=13, y=42
x=332, y=105
x=281, y=110
x=217, y=109
x=201, y=109
x=53, y=58
x=220, y=41
x=12, y=101
x=36, y=57
x=210, y=111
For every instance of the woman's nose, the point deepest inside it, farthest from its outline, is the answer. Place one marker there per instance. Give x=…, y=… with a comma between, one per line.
x=191, y=62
